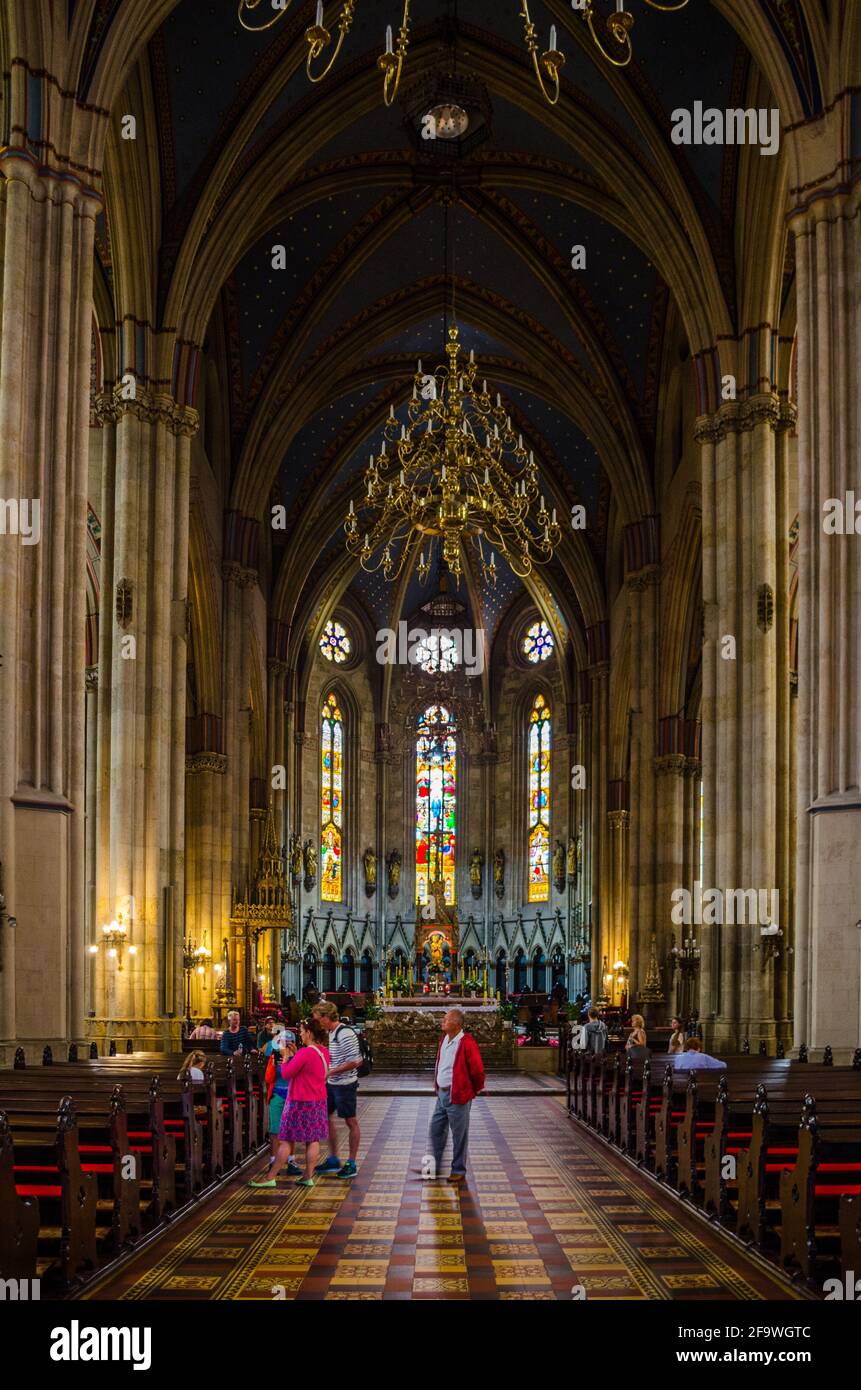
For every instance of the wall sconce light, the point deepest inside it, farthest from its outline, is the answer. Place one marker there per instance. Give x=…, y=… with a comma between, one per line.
x=114, y=939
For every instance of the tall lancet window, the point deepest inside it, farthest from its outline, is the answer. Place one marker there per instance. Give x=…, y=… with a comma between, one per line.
x=331, y=801
x=539, y=801
x=436, y=802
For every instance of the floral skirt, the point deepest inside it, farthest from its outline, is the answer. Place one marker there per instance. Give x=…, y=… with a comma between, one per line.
x=304, y=1121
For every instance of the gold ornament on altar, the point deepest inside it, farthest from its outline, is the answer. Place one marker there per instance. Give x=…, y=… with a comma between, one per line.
x=441, y=480
x=547, y=65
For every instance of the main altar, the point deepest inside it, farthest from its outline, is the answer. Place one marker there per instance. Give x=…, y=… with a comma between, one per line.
x=435, y=970
x=407, y=1034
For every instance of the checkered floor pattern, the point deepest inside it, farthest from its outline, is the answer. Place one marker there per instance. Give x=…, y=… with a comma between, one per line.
x=547, y=1213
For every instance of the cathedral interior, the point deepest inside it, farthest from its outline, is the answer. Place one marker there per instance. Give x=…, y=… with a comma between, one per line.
x=427, y=474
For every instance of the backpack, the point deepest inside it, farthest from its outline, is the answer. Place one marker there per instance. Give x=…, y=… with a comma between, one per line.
x=366, y=1061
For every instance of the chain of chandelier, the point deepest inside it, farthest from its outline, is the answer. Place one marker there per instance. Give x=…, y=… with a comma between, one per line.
x=441, y=480
x=616, y=48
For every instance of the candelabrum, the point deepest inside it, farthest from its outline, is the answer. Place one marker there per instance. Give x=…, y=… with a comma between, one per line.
x=616, y=48
x=194, y=960
x=686, y=960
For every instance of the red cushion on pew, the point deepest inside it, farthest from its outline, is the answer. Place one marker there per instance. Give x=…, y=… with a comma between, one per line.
x=740, y=1134
x=97, y=1167
x=36, y=1168
x=780, y=1167
x=141, y=1148
x=24, y=1191
x=838, y=1191
x=94, y=1149
x=140, y=1134
x=838, y=1168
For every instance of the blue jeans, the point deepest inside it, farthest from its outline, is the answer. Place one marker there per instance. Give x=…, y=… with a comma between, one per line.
x=455, y=1117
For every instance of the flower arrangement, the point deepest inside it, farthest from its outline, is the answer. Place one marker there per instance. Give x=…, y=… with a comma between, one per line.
x=400, y=984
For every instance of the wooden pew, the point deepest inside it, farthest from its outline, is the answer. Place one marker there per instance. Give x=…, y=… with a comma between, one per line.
x=828, y=1168
x=48, y=1168
x=19, y=1216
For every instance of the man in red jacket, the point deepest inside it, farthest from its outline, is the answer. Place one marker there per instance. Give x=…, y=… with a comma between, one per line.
x=458, y=1079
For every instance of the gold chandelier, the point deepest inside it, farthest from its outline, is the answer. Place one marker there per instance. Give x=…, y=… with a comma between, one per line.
x=439, y=480
x=547, y=65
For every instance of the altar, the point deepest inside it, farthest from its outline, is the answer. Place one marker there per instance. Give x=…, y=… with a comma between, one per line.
x=407, y=1035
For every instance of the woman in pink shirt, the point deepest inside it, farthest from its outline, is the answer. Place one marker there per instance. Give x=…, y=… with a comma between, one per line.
x=305, y=1119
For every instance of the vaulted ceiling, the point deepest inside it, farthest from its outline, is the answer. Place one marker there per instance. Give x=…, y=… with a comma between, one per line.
x=380, y=232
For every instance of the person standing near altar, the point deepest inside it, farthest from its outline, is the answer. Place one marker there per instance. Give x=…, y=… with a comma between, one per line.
x=458, y=1079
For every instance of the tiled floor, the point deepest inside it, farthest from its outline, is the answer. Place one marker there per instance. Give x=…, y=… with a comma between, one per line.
x=381, y=1083
x=547, y=1213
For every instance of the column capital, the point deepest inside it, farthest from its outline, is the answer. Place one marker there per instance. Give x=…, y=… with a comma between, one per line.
x=152, y=407
x=672, y=763
x=206, y=762
x=237, y=574
x=736, y=417
x=91, y=678
x=618, y=819
x=645, y=579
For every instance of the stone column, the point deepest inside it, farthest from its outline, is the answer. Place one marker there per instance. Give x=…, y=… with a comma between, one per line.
x=599, y=672
x=648, y=912
x=745, y=671
x=47, y=219
x=142, y=658
x=827, y=230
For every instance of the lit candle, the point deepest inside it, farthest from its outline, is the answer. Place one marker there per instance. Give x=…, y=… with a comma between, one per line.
x=420, y=366
x=366, y=540
x=552, y=37
x=401, y=477
x=319, y=20
x=554, y=516
x=498, y=400
x=486, y=476
x=388, y=38
x=620, y=6
x=471, y=356
x=352, y=508
x=484, y=388
x=542, y=502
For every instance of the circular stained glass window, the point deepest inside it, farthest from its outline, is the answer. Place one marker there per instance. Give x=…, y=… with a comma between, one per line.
x=334, y=643
x=538, y=643
x=437, y=653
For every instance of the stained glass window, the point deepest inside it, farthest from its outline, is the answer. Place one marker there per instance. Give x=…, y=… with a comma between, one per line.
x=331, y=800
x=437, y=652
x=436, y=802
x=538, y=643
x=539, y=801
x=335, y=643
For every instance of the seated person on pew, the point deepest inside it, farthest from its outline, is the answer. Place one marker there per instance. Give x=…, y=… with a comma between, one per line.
x=236, y=1037
x=204, y=1032
x=193, y=1066
x=677, y=1036
x=694, y=1057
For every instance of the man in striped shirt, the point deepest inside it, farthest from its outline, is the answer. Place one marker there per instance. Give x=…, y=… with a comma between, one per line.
x=341, y=1087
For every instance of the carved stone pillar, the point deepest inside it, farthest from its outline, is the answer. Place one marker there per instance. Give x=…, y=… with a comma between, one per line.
x=48, y=206
x=143, y=660
x=827, y=229
x=745, y=670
